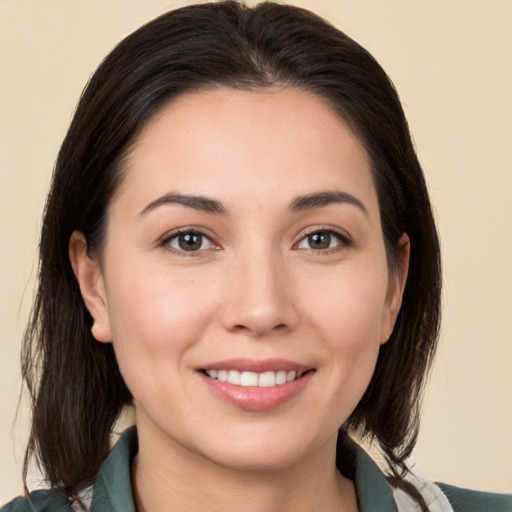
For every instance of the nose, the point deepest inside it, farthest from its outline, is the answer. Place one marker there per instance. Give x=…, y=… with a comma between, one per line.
x=259, y=297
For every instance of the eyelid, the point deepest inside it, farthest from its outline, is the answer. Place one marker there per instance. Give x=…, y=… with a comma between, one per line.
x=343, y=236
x=170, y=235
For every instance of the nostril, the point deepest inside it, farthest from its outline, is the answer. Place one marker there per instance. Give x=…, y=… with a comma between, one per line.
x=258, y=317
x=241, y=327
x=259, y=329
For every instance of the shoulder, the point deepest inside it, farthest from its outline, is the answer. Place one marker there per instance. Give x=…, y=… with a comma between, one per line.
x=441, y=497
x=39, y=501
x=51, y=500
x=467, y=500
x=110, y=491
x=376, y=493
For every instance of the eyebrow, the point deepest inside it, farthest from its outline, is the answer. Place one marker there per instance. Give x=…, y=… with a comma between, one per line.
x=300, y=203
x=320, y=199
x=200, y=203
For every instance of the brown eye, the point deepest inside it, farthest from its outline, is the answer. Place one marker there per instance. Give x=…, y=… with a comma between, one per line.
x=189, y=242
x=319, y=240
x=322, y=240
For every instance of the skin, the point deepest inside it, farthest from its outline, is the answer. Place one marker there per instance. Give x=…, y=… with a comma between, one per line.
x=256, y=288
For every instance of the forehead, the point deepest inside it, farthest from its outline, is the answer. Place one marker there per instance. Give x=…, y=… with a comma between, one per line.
x=246, y=143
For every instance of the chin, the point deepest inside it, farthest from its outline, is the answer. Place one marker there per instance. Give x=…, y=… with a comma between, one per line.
x=255, y=461
x=258, y=452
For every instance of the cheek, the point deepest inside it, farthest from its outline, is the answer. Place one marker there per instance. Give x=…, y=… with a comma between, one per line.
x=348, y=305
x=346, y=312
x=150, y=300
x=155, y=318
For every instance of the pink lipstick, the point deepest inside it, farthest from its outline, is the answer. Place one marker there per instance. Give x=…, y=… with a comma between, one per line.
x=256, y=385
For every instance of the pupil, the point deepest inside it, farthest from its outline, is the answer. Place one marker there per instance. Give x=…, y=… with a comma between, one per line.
x=190, y=242
x=319, y=240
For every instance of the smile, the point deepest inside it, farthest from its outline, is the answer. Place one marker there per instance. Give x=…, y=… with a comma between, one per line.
x=266, y=379
x=254, y=385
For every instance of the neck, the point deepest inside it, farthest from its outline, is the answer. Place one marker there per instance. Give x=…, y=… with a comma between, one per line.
x=167, y=476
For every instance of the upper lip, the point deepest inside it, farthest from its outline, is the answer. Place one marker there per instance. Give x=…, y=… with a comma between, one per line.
x=256, y=365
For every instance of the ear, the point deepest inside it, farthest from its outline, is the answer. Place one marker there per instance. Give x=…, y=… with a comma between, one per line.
x=396, y=286
x=92, y=287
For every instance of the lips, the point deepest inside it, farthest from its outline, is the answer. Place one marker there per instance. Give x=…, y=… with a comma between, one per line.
x=256, y=385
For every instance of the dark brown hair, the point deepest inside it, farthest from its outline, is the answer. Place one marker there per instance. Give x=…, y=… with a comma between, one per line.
x=75, y=385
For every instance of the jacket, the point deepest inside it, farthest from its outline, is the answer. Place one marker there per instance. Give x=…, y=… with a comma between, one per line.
x=112, y=490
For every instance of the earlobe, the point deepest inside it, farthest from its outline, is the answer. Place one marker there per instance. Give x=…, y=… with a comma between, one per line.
x=396, y=286
x=90, y=280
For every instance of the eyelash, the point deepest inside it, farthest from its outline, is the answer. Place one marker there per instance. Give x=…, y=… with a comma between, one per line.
x=343, y=241
x=168, y=239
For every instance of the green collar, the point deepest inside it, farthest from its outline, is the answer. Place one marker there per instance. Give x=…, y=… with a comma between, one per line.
x=113, y=486
x=373, y=490
x=113, y=489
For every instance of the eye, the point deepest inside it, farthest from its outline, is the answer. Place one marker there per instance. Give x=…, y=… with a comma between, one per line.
x=189, y=241
x=322, y=240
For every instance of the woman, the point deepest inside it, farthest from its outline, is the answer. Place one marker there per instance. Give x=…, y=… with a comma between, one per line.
x=239, y=242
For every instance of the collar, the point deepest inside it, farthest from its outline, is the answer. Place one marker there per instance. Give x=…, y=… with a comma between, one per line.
x=113, y=488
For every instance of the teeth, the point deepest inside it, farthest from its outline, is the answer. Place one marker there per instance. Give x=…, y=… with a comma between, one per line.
x=262, y=380
x=234, y=377
x=267, y=380
x=281, y=377
x=249, y=379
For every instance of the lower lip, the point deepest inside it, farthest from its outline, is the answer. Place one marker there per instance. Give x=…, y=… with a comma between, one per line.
x=252, y=398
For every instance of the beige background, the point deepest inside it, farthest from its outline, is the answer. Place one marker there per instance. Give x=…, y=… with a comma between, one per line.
x=452, y=64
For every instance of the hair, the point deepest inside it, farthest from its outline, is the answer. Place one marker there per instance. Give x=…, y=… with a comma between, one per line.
x=75, y=386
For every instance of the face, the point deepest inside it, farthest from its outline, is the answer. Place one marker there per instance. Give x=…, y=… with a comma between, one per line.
x=244, y=280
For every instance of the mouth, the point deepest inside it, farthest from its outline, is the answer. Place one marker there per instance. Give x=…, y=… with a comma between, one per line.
x=256, y=385
x=267, y=379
